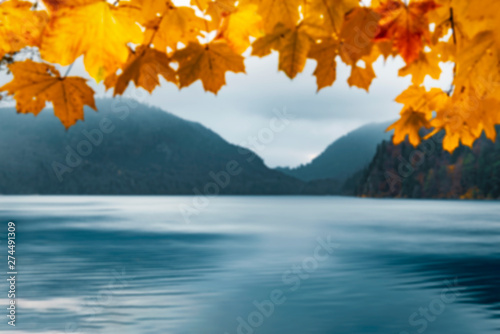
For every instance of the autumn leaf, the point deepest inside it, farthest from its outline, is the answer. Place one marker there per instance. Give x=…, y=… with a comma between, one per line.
x=409, y=124
x=407, y=26
x=20, y=26
x=277, y=11
x=356, y=36
x=361, y=77
x=293, y=45
x=326, y=68
x=144, y=67
x=219, y=11
x=473, y=55
x=208, y=63
x=95, y=29
x=426, y=64
x=331, y=11
x=173, y=26
x=34, y=84
x=240, y=26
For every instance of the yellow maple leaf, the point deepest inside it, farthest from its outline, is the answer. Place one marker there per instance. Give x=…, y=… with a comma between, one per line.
x=34, y=84
x=272, y=41
x=474, y=59
x=20, y=26
x=208, y=63
x=326, y=69
x=285, y=12
x=144, y=67
x=175, y=25
x=419, y=105
x=419, y=99
x=425, y=64
x=239, y=26
x=219, y=10
x=146, y=11
x=409, y=124
x=331, y=12
x=361, y=77
x=293, y=45
x=95, y=29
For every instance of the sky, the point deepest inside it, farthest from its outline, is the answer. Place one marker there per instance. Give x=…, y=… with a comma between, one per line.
x=243, y=111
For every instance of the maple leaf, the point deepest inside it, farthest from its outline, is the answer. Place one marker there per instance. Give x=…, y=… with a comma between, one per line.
x=407, y=26
x=474, y=60
x=326, y=69
x=34, y=84
x=332, y=11
x=285, y=12
x=409, y=124
x=95, y=29
x=20, y=26
x=361, y=77
x=144, y=67
x=209, y=63
x=174, y=25
x=419, y=105
x=273, y=41
x=357, y=33
x=221, y=9
x=293, y=45
x=239, y=26
x=426, y=64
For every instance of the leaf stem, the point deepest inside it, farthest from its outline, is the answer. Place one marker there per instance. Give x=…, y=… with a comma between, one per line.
x=68, y=70
x=452, y=21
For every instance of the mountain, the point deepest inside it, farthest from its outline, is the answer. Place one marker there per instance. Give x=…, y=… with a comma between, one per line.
x=128, y=148
x=430, y=172
x=344, y=156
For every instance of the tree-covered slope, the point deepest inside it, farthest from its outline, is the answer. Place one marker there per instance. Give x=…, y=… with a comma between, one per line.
x=127, y=148
x=345, y=156
x=430, y=172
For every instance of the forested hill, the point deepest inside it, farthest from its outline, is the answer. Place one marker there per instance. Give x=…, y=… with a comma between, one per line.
x=344, y=156
x=430, y=172
x=128, y=148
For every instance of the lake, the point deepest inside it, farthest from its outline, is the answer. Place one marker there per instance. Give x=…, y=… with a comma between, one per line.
x=269, y=265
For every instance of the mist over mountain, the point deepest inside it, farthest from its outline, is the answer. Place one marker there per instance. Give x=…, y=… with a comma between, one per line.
x=128, y=148
x=345, y=156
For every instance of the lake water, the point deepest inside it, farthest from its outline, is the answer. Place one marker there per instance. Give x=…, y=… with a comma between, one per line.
x=269, y=265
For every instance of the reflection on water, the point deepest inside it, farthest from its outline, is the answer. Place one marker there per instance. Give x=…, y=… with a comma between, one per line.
x=254, y=265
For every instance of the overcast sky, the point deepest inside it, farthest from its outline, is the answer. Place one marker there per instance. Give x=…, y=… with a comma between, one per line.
x=244, y=108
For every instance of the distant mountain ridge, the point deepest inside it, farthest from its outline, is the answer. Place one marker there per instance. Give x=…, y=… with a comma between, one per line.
x=345, y=156
x=131, y=148
x=128, y=148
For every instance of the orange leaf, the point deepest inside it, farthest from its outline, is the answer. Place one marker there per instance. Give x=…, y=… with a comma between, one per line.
x=143, y=67
x=209, y=63
x=95, y=29
x=34, y=84
x=407, y=26
x=409, y=124
x=20, y=26
x=326, y=69
x=361, y=77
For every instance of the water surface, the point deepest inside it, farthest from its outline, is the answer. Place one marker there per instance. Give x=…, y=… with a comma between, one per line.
x=269, y=265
